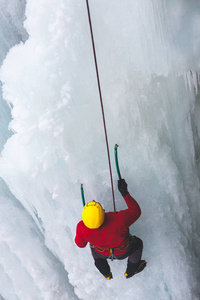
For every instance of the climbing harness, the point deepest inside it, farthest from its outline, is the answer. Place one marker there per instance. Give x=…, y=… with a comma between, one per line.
x=101, y=101
x=102, y=250
x=122, y=247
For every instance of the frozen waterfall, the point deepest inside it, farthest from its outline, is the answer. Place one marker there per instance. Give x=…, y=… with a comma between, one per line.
x=52, y=140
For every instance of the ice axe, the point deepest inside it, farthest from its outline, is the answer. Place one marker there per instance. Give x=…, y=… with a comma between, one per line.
x=82, y=195
x=116, y=161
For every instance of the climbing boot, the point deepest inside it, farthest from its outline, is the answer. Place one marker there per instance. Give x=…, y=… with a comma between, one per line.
x=109, y=276
x=133, y=269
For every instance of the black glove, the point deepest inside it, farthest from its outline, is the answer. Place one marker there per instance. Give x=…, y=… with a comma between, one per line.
x=122, y=187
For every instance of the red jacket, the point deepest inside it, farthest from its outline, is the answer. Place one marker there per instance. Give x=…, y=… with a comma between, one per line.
x=114, y=230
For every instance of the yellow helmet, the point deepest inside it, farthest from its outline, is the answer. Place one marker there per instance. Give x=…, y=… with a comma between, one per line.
x=93, y=215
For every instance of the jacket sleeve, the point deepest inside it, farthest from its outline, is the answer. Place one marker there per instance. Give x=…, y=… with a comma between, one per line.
x=80, y=239
x=133, y=212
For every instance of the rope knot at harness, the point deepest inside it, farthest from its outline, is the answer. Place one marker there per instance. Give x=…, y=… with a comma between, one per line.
x=112, y=256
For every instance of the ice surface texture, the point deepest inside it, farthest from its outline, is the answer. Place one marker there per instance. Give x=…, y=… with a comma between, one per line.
x=148, y=57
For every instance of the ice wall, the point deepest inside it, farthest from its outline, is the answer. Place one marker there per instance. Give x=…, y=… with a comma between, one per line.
x=12, y=32
x=149, y=69
x=28, y=269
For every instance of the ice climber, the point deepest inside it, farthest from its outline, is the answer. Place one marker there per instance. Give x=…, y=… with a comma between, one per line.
x=108, y=234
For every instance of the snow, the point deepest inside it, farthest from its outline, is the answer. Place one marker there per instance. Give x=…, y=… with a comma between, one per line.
x=52, y=140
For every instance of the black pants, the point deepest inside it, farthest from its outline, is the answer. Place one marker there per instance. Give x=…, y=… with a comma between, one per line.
x=134, y=254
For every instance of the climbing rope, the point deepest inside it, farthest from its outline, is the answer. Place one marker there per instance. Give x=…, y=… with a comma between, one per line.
x=101, y=101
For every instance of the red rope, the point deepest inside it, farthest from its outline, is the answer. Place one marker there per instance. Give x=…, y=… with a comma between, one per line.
x=101, y=101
